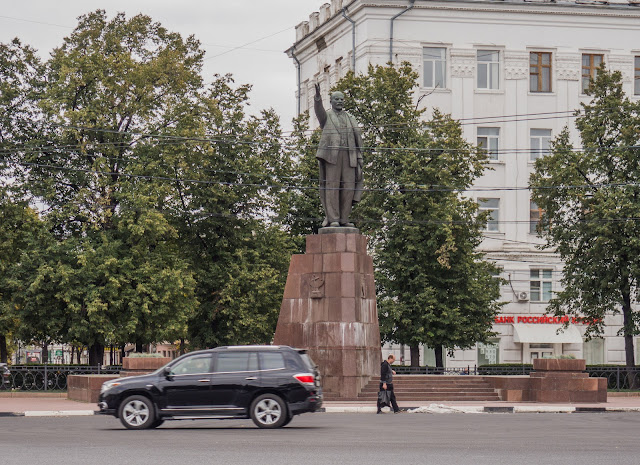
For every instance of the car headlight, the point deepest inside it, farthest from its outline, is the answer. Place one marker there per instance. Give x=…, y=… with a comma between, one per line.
x=108, y=385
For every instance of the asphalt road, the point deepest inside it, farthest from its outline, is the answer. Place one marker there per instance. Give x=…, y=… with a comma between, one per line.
x=331, y=438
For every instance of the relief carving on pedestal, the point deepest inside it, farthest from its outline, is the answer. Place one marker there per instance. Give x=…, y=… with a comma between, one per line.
x=316, y=286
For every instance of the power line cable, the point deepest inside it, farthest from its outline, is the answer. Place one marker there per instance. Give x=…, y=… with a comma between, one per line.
x=390, y=189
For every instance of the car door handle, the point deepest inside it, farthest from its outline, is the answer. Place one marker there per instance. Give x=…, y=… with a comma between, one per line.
x=204, y=380
x=251, y=378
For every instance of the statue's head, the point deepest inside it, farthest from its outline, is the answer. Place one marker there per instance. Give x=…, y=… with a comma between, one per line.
x=337, y=101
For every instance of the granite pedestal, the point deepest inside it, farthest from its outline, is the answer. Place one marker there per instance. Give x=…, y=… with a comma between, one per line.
x=329, y=308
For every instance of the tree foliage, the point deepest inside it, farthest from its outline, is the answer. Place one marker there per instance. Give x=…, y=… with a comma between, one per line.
x=591, y=201
x=155, y=186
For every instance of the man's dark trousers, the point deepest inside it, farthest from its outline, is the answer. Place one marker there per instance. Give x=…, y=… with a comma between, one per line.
x=394, y=404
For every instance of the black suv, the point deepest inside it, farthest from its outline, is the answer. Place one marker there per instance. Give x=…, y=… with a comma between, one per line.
x=269, y=384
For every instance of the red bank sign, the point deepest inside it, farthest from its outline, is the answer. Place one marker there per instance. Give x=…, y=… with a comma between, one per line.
x=540, y=319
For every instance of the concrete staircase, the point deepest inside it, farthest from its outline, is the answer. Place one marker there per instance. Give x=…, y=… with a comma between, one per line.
x=430, y=388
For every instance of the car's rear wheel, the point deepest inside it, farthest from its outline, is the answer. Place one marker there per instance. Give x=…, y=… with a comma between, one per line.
x=157, y=423
x=269, y=411
x=288, y=420
x=137, y=412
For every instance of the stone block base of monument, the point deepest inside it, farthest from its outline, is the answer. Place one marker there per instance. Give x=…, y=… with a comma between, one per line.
x=553, y=381
x=329, y=308
x=86, y=388
x=565, y=380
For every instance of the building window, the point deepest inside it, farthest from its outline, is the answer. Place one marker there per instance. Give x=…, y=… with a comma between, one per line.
x=540, y=71
x=636, y=75
x=593, y=351
x=590, y=64
x=540, y=285
x=489, y=353
x=488, y=69
x=488, y=140
x=539, y=140
x=535, y=213
x=493, y=207
x=435, y=63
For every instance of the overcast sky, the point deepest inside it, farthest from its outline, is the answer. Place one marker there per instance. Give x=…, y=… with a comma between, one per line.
x=220, y=25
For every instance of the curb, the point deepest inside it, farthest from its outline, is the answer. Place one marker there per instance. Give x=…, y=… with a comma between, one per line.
x=49, y=413
x=431, y=409
x=435, y=408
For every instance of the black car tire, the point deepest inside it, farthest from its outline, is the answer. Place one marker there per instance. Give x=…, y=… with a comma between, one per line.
x=269, y=411
x=288, y=420
x=157, y=423
x=137, y=412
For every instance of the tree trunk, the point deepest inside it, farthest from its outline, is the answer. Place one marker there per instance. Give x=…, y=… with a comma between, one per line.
x=415, y=355
x=182, y=351
x=439, y=356
x=4, y=353
x=79, y=354
x=139, y=348
x=73, y=351
x=123, y=354
x=45, y=353
x=628, y=325
x=96, y=354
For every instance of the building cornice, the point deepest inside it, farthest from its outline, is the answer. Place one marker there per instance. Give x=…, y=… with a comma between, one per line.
x=520, y=7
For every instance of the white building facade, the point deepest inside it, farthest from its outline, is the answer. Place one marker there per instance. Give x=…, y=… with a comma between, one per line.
x=512, y=72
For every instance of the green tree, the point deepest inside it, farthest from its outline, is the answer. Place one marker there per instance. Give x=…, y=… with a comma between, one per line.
x=115, y=272
x=591, y=201
x=223, y=194
x=21, y=232
x=299, y=207
x=434, y=287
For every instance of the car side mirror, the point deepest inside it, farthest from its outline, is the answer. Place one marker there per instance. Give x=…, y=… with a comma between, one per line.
x=167, y=372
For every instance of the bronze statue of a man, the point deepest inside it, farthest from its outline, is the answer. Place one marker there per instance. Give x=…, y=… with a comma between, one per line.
x=340, y=158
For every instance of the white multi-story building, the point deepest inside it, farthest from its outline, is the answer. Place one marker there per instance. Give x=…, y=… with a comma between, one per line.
x=512, y=72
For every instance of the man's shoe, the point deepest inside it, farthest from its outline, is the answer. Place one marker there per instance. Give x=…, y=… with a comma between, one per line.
x=334, y=224
x=348, y=225
x=379, y=411
x=396, y=411
x=325, y=222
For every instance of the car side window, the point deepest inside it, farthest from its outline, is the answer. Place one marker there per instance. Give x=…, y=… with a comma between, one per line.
x=271, y=361
x=227, y=362
x=192, y=365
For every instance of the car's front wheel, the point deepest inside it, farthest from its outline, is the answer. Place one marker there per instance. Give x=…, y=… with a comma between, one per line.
x=137, y=412
x=269, y=411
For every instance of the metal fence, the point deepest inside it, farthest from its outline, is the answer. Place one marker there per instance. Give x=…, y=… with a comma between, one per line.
x=54, y=377
x=469, y=370
x=50, y=377
x=619, y=378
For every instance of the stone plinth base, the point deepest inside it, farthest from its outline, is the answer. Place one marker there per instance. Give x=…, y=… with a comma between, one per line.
x=86, y=388
x=554, y=380
x=564, y=380
x=329, y=308
x=134, y=366
x=510, y=388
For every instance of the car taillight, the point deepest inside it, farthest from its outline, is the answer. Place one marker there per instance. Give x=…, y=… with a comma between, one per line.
x=305, y=378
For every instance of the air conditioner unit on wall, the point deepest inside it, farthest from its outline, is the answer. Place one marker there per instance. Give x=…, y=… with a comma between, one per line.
x=523, y=296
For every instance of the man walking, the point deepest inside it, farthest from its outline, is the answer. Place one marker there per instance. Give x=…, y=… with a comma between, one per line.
x=386, y=383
